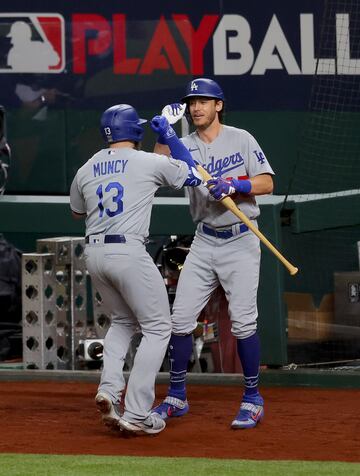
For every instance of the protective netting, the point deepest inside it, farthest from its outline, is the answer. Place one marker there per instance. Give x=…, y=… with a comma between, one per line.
x=324, y=300
x=328, y=156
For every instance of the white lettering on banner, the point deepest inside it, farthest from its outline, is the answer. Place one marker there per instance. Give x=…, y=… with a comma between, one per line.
x=267, y=59
x=238, y=46
x=345, y=65
x=308, y=60
x=36, y=44
x=234, y=55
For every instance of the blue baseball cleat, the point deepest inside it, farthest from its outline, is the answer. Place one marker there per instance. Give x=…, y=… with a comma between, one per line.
x=250, y=414
x=171, y=407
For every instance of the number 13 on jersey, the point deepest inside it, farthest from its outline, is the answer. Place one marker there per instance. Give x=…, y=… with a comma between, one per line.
x=117, y=199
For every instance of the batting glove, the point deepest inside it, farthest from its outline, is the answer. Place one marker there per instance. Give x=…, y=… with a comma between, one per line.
x=161, y=126
x=220, y=188
x=168, y=136
x=173, y=112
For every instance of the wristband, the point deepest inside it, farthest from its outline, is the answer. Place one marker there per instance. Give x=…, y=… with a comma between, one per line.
x=242, y=186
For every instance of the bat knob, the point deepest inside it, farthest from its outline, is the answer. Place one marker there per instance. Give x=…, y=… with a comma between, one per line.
x=293, y=271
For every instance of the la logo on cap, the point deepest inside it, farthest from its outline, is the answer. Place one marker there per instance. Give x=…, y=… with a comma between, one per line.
x=194, y=86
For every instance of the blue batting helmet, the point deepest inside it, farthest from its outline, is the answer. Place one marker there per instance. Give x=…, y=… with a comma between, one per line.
x=121, y=122
x=203, y=87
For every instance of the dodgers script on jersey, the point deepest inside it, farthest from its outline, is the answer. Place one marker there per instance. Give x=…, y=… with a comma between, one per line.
x=233, y=154
x=122, y=183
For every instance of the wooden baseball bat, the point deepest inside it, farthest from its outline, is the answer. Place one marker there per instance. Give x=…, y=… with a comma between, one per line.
x=230, y=205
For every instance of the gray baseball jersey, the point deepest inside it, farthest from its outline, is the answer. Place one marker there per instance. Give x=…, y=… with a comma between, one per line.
x=232, y=260
x=233, y=154
x=116, y=188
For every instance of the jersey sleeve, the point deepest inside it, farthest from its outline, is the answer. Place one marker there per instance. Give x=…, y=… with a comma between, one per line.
x=77, y=203
x=170, y=172
x=258, y=163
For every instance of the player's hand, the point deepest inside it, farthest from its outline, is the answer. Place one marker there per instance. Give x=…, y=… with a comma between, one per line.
x=173, y=112
x=161, y=126
x=220, y=188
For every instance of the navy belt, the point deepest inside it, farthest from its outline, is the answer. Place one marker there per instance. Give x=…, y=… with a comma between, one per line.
x=110, y=239
x=225, y=234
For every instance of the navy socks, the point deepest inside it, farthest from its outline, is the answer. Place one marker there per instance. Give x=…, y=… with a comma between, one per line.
x=180, y=349
x=249, y=355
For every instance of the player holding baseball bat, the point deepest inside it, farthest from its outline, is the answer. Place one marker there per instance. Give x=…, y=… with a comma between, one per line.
x=224, y=251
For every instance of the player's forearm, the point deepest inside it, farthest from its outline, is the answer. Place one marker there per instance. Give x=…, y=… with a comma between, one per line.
x=180, y=152
x=168, y=137
x=261, y=184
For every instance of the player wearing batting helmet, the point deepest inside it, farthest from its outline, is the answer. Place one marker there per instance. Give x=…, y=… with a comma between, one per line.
x=224, y=251
x=205, y=88
x=114, y=191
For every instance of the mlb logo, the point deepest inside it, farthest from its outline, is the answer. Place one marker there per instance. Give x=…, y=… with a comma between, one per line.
x=32, y=43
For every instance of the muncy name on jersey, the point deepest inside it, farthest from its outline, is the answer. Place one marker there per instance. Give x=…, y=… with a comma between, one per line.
x=109, y=167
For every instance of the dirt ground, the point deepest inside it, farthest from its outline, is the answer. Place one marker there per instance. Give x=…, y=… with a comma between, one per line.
x=299, y=424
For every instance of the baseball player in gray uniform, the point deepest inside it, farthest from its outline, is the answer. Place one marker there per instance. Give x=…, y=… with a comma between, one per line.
x=224, y=251
x=114, y=190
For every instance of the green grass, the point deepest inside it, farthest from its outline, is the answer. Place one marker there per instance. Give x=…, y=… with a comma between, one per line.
x=77, y=465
